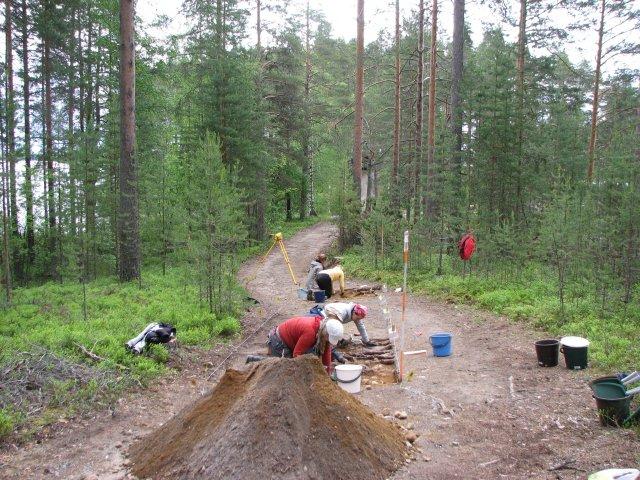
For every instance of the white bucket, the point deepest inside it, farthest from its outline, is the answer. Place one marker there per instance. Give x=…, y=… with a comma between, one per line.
x=302, y=293
x=349, y=377
x=574, y=342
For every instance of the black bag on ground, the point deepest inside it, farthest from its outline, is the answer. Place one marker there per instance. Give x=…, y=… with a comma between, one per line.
x=164, y=333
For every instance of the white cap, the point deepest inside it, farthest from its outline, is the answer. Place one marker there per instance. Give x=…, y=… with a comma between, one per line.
x=335, y=331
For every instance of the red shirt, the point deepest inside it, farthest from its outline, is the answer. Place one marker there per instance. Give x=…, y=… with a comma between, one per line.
x=299, y=334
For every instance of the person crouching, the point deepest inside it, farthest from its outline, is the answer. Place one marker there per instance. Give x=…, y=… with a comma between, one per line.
x=299, y=335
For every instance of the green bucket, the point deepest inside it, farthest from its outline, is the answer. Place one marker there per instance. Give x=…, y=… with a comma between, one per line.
x=613, y=412
x=575, y=351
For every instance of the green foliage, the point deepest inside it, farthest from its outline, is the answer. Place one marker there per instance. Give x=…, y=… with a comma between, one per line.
x=532, y=298
x=52, y=316
x=216, y=226
x=8, y=421
x=226, y=327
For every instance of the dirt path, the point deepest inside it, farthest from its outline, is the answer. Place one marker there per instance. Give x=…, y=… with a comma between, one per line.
x=488, y=411
x=94, y=448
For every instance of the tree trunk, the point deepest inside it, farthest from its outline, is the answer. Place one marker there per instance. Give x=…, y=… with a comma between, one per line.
x=261, y=201
x=396, y=119
x=86, y=113
x=456, y=79
x=49, y=143
x=258, y=29
x=90, y=170
x=6, y=261
x=596, y=98
x=70, y=132
x=43, y=136
x=522, y=48
x=419, y=113
x=359, y=103
x=287, y=200
x=28, y=187
x=306, y=196
x=431, y=129
x=11, y=121
x=98, y=113
x=129, y=264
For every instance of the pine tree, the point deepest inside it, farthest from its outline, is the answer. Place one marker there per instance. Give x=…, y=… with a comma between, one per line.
x=129, y=240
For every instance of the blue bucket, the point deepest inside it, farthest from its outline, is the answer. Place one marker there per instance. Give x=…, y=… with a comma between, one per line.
x=441, y=343
x=319, y=296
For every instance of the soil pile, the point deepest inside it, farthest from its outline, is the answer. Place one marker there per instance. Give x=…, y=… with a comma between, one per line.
x=280, y=418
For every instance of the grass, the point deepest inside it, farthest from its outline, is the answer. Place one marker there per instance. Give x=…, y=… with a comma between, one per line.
x=529, y=297
x=50, y=318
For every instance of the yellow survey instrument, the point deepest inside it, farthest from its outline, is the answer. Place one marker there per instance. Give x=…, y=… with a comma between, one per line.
x=277, y=239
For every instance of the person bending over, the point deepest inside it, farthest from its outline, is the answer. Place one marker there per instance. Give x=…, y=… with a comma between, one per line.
x=326, y=278
x=316, y=267
x=349, y=312
x=299, y=335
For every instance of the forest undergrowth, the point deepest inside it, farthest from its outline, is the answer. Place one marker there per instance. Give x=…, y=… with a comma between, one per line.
x=529, y=297
x=46, y=333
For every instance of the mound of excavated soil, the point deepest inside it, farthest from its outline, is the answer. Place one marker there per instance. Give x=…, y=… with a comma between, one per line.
x=280, y=419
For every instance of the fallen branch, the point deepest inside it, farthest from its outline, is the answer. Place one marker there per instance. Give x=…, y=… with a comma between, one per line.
x=89, y=353
x=95, y=357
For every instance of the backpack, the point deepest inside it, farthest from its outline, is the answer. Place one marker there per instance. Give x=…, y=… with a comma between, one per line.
x=163, y=333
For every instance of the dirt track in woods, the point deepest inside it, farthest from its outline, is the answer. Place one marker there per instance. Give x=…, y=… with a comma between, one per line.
x=488, y=411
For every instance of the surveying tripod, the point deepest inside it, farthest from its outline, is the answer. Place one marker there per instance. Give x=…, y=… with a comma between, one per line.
x=277, y=239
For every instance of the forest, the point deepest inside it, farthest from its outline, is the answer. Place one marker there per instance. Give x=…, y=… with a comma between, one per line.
x=139, y=172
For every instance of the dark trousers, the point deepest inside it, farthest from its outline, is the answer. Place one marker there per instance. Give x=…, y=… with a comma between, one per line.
x=277, y=348
x=325, y=283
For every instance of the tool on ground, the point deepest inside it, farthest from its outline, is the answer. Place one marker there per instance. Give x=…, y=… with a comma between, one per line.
x=278, y=239
x=632, y=377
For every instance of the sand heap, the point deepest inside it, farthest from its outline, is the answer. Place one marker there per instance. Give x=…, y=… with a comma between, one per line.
x=281, y=418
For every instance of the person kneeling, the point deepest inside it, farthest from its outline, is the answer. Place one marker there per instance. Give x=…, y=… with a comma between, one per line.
x=299, y=335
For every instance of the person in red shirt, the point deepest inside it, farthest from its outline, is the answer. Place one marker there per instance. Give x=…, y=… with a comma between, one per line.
x=299, y=335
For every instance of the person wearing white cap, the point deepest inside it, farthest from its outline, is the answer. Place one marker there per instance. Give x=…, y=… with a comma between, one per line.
x=299, y=335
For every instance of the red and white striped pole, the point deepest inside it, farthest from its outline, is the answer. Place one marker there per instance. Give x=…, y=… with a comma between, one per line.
x=405, y=259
